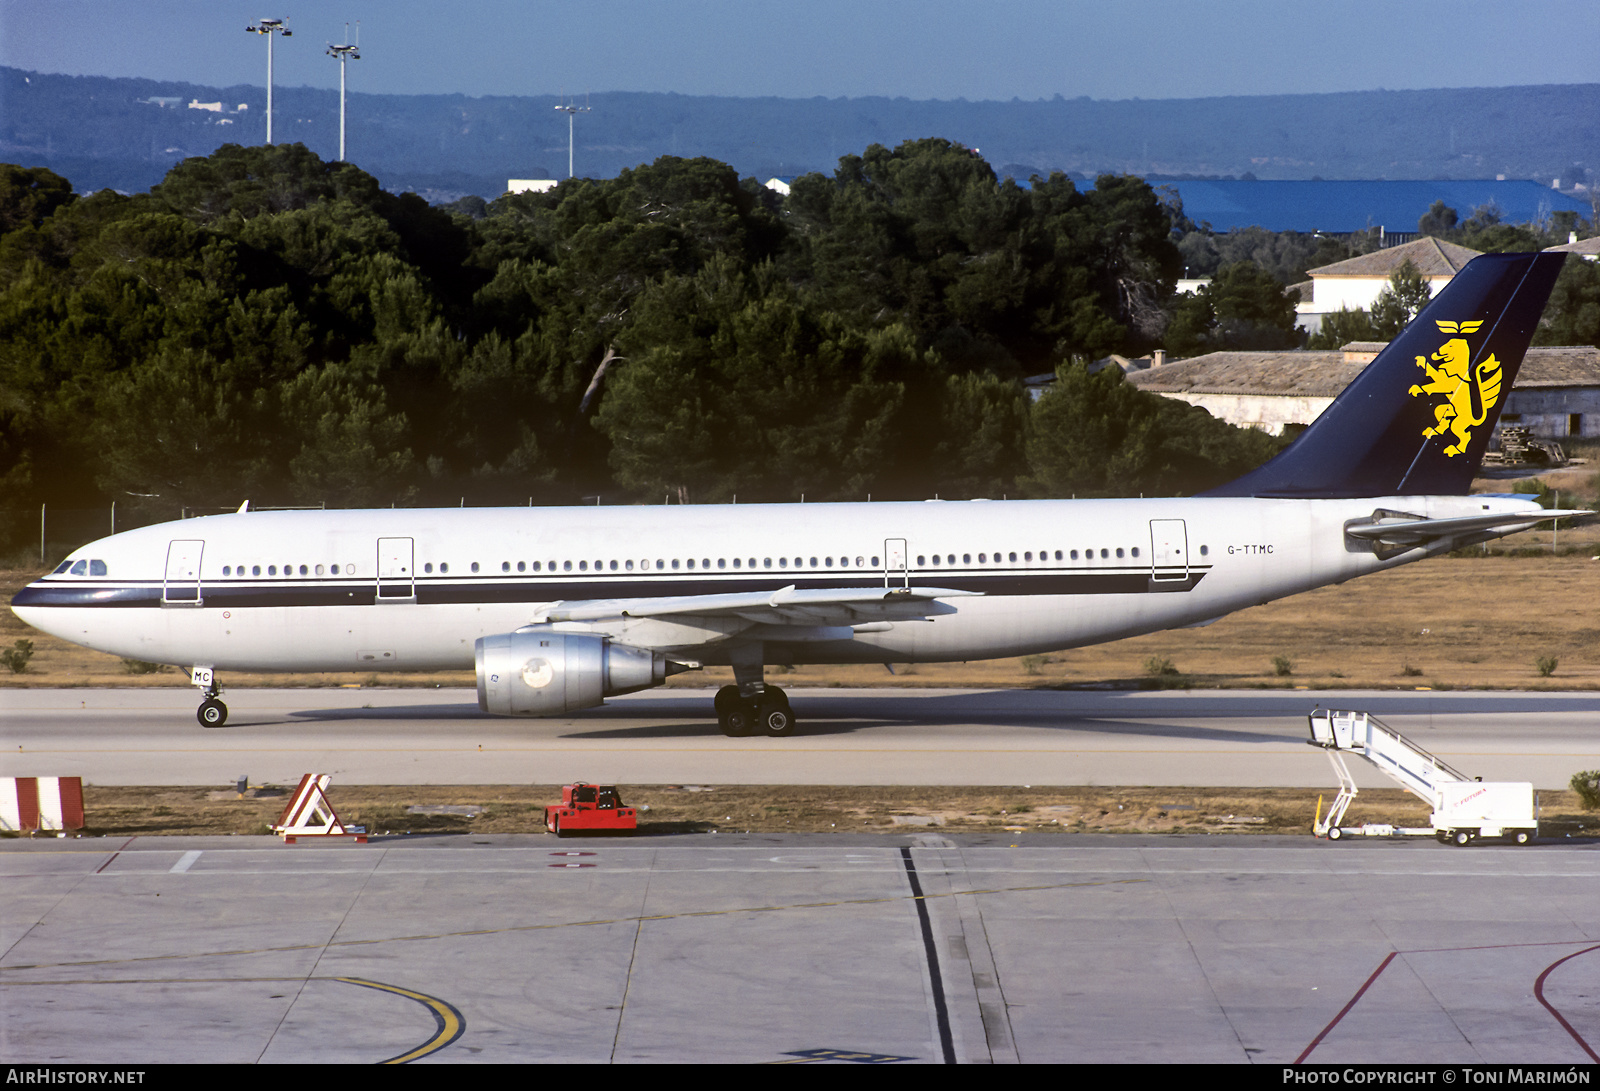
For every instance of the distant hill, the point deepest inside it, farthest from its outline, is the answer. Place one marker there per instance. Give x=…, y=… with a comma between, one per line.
x=103, y=132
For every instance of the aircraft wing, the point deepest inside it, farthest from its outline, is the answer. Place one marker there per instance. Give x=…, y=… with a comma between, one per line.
x=1395, y=529
x=787, y=606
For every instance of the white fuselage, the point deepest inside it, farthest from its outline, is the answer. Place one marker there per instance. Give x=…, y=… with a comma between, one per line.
x=412, y=589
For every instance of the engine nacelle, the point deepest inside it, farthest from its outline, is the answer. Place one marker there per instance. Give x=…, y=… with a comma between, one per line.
x=542, y=672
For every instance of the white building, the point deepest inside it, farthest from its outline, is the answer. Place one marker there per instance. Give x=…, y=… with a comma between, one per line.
x=530, y=185
x=1354, y=284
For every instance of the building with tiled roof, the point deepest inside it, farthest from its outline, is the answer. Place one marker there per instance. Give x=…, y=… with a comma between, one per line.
x=1588, y=249
x=1557, y=392
x=1354, y=284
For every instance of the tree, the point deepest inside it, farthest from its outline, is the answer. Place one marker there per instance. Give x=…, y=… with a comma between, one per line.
x=1572, y=316
x=1439, y=220
x=28, y=195
x=1244, y=308
x=1097, y=435
x=1342, y=327
x=1400, y=301
x=732, y=388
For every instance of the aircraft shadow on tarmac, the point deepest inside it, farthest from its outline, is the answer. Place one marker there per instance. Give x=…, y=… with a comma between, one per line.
x=1125, y=713
x=837, y=718
x=817, y=726
x=391, y=712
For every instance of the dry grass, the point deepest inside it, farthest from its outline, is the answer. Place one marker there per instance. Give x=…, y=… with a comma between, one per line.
x=123, y=812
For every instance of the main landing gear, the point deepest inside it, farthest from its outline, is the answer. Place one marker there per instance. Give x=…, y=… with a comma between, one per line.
x=766, y=712
x=750, y=706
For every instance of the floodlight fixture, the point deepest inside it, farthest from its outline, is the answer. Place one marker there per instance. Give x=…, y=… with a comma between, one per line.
x=271, y=28
x=571, y=111
x=343, y=53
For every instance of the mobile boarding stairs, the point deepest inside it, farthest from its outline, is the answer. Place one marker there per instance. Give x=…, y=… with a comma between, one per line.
x=1464, y=809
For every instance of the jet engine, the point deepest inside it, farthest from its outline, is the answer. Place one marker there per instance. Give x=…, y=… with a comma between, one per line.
x=542, y=672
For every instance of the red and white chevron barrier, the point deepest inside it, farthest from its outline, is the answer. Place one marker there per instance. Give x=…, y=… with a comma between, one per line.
x=310, y=814
x=41, y=803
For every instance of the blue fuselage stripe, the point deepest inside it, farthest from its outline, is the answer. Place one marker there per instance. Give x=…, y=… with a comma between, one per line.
x=246, y=594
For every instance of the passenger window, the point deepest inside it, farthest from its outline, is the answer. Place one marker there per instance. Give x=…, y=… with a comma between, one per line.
x=1013, y=558
x=226, y=571
x=935, y=558
x=428, y=567
x=1074, y=554
x=722, y=562
x=319, y=570
x=1027, y=556
x=983, y=558
x=813, y=561
x=753, y=563
x=334, y=570
x=691, y=562
x=272, y=570
x=766, y=562
x=1135, y=551
x=1105, y=553
x=674, y=564
x=630, y=566
x=874, y=562
x=522, y=566
x=921, y=560
x=505, y=566
x=705, y=562
x=783, y=562
x=583, y=566
x=255, y=570
x=1119, y=551
x=966, y=558
x=474, y=566
x=828, y=561
x=859, y=562
x=443, y=568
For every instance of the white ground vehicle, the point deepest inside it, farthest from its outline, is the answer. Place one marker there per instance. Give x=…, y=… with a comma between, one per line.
x=1464, y=809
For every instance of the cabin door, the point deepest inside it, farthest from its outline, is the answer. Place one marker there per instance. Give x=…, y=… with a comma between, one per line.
x=896, y=571
x=396, y=570
x=1169, y=550
x=182, y=584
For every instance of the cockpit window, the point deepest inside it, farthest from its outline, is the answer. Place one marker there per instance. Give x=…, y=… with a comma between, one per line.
x=97, y=568
x=62, y=567
x=80, y=568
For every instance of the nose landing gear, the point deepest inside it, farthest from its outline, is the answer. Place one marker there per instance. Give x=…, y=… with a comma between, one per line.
x=212, y=712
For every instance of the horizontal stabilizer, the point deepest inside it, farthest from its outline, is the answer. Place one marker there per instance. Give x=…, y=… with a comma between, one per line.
x=1395, y=529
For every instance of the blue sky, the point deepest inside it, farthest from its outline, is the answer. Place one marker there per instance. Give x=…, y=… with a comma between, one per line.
x=942, y=49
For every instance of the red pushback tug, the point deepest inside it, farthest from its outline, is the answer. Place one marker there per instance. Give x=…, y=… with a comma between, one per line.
x=589, y=807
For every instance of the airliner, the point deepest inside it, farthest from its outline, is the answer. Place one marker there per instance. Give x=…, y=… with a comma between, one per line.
x=558, y=608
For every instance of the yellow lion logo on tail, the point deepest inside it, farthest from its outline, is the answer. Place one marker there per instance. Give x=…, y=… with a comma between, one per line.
x=1468, y=395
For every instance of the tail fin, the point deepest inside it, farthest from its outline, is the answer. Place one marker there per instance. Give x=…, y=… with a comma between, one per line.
x=1417, y=420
